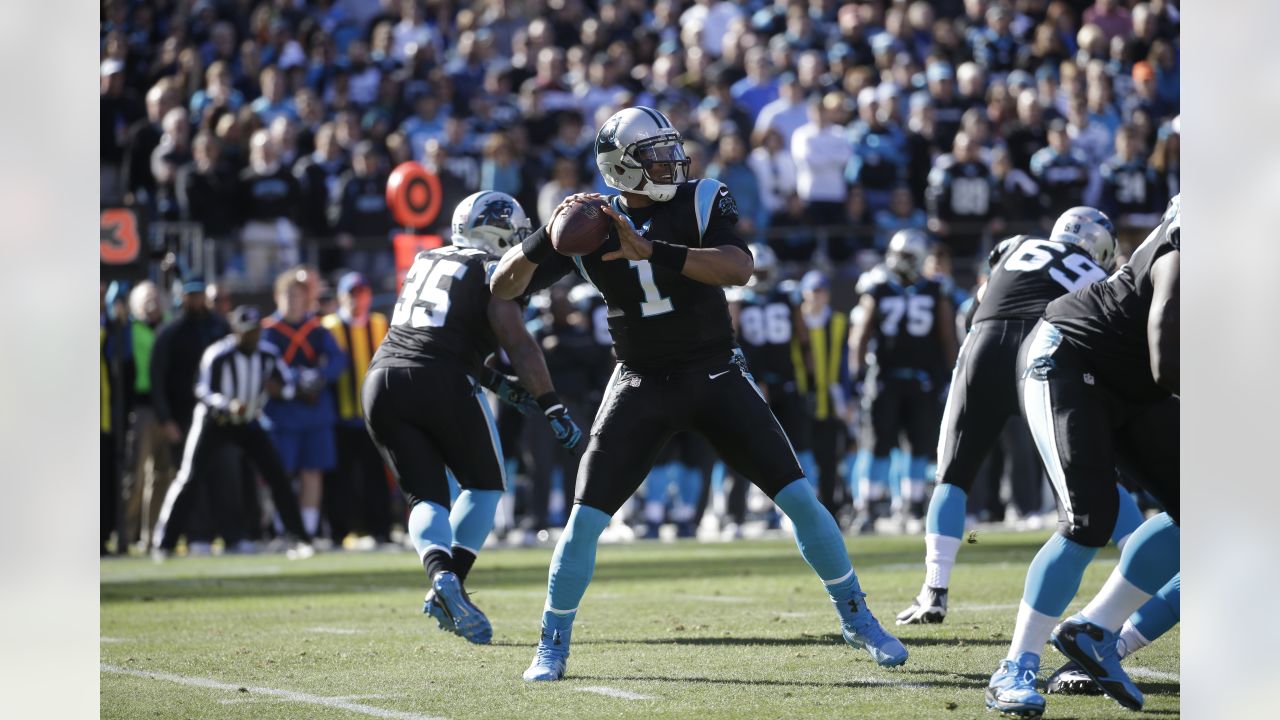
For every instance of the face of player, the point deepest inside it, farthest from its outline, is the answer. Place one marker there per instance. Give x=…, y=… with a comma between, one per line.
x=664, y=164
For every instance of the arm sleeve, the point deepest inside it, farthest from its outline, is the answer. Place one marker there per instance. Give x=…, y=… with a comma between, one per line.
x=724, y=220
x=209, y=385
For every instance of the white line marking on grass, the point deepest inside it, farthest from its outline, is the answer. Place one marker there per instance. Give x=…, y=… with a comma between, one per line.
x=372, y=696
x=615, y=692
x=1150, y=674
x=333, y=630
x=287, y=695
x=978, y=608
x=717, y=598
x=112, y=639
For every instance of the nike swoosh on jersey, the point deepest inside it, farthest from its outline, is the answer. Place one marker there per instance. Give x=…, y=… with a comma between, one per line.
x=713, y=376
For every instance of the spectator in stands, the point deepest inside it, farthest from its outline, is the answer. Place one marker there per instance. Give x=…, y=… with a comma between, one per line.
x=274, y=101
x=566, y=180
x=961, y=197
x=879, y=159
x=787, y=113
x=1029, y=134
x=218, y=92
x=759, y=87
x=359, y=208
x=1165, y=157
x=172, y=153
x=1019, y=194
x=821, y=152
x=269, y=195
x=901, y=214
x=319, y=175
x=138, y=181
x=207, y=189
x=1131, y=193
x=994, y=47
x=947, y=105
x=1110, y=17
x=775, y=171
x=356, y=495
x=1061, y=171
x=730, y=167
x=117, y=110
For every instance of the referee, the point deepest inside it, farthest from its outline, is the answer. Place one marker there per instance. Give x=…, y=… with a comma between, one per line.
x=236, y=375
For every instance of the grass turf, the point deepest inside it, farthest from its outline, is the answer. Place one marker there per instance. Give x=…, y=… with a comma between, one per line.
x=700, y=630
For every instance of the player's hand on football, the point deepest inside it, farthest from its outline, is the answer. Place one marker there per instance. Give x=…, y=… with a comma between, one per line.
x=563, y=427
x=632, y=245
x=576, y=197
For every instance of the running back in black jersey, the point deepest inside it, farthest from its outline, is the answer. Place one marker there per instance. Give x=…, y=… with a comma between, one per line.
x=442, y=312
x=1028, y=272
x=903, y=333
x=766, y=325
x=658, y=317
x=1108, y=320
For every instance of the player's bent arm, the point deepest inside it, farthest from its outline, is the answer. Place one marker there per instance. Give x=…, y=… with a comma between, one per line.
x=946, y=323
x=512, y=275
x=507, y=322
x=722, y=265
x=1163, y=335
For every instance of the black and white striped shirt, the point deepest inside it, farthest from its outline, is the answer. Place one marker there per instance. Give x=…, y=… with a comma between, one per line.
x=227, y=374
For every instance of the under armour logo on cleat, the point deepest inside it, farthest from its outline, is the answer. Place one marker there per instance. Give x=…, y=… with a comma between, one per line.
x=853, y=604
x=555, y=639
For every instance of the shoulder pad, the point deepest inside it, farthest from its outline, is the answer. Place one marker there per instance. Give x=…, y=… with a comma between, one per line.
x=709, y=194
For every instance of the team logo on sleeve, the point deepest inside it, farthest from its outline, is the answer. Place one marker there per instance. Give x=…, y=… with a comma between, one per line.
x=728, y=206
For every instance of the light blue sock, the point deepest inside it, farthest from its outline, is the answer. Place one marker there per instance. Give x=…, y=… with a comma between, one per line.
x=454, y=488
x=1128, y=518
x=1161, y=612
x=878, y=473
x=472, y=518
x=429, y=528
x=822, y=546
x=946, y=511
x=574, y=560
x=1054, y=576
x=809, y=466
x=1151, y=557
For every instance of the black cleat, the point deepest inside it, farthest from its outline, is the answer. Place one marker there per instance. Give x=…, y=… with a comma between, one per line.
x=928, y=608
x=1071, y=679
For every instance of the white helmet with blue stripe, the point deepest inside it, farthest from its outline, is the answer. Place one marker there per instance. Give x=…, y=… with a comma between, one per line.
x=491, y=221
x=1088, y=228
x=638, y=151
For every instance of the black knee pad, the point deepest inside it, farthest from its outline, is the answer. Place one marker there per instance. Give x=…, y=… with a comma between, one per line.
x=1090, y=530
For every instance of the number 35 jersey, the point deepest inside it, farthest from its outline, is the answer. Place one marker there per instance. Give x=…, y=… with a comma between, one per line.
x=443, y=311
x=1027, y=273
x=659, y=318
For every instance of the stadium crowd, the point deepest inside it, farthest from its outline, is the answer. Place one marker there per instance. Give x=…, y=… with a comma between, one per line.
x=272, y=125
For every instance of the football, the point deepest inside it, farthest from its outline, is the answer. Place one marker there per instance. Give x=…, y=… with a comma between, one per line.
x=580, y=229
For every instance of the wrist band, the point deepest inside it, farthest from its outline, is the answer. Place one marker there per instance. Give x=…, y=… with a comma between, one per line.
x=669, y=255
x=536, y=246
x=549, y=402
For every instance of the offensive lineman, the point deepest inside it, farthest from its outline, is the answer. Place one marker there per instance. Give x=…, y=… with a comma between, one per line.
x=1099, y=385
x=912, y=323
x=661, y=270
x=424, y=408
x=1026, y=274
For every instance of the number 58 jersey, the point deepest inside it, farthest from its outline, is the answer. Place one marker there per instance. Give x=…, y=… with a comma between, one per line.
x=1027, y=273
x=442, y=312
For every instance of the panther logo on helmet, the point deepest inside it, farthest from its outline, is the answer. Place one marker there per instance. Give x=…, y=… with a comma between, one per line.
x=491, y=221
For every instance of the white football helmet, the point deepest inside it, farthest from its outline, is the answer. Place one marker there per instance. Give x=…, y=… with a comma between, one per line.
x=638, y=150
x=766, y=267
x=906, y=253
x=491, y=221
x=1090, y=229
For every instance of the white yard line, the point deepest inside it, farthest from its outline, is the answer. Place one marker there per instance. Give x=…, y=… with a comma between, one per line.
x=716, y=598
x=341, y=703
x=334, y=631
x=615, y=693
x=1150, y=674
x=112, y=639
x=978, y=608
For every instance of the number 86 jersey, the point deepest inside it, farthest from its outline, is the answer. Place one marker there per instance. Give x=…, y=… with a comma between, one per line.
x=1027, y=273
x=442, y=312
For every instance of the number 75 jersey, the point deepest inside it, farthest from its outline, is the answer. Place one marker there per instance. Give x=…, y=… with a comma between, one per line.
x=442, y=312
x=1027, y=273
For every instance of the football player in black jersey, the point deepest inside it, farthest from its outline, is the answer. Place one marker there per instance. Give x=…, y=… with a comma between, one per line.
x=904, y=337
x=1099, y=385
x=424, y=408
x=672, y=248
x=1027, y=272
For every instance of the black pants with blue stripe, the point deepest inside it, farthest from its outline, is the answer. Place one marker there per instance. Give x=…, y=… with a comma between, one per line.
x=641, y=410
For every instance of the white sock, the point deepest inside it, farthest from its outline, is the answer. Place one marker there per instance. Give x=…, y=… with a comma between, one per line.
x=1114, y=603
x=1131, y=641
x=1031, y=632
x=939, y=558
x=311, y=520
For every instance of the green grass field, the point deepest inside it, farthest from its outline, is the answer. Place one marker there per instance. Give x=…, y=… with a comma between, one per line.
x=680, y=630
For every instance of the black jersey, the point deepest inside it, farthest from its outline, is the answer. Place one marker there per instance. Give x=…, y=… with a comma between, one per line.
x=442, y=312
x=903, y=334
x=765, y=327
x=1027, y=273
x=1108, y=320
x=658, y=317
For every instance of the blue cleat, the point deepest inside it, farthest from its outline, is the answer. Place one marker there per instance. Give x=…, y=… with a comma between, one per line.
x=467, y=619
x=861, y=629
x=1093, y=648
x=551, y=657
x=1012, y=690
x=431, y=606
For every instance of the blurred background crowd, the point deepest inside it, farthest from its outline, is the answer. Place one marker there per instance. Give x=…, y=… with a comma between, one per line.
x=251, y=140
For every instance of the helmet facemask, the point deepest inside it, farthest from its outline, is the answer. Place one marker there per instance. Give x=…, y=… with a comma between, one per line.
x=663, y=163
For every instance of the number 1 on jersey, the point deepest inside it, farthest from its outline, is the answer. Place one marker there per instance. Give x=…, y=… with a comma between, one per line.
x=654, y=303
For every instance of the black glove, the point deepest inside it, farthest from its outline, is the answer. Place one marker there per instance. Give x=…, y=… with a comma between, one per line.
x=563, y=427
x=508, y=390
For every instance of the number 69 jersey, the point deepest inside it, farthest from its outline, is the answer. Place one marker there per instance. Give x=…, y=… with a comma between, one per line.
x=658, y=317
x=442, y=313
x=1027, y=273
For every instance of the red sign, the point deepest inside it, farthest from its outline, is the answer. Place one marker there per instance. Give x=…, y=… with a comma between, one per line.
x=118, y=239
x=407, y=247
x=413, y=195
